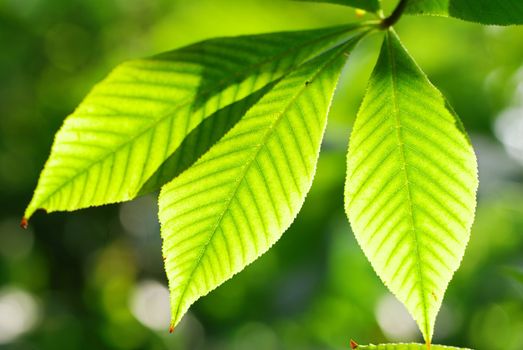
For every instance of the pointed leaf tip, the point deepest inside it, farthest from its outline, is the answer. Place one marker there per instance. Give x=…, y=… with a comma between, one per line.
x=171, y=328
x=130, y=113
x=410, y=191
x=215, y=219
x=24, y=223
x=353, y=344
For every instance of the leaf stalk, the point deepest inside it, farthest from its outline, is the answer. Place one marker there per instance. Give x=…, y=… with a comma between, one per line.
x=388, y=22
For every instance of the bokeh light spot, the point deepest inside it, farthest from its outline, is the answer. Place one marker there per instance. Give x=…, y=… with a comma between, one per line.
x=150, y=305
x=395, y=321
x=139, y=217
x=509, y=130
x=19, y=313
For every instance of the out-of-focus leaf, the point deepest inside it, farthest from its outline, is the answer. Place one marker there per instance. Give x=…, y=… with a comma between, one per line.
x=369, y=5
x=500, y=12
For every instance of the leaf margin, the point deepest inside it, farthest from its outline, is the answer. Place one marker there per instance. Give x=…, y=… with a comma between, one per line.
x=178, y=310
x=41, y=198
x=426, y=331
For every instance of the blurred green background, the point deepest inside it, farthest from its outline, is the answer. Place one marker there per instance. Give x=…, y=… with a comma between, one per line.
x=93, y=279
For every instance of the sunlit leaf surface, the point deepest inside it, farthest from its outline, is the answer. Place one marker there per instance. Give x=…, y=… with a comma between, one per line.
x=411, y=184
x=236, y=201
x=112, y=146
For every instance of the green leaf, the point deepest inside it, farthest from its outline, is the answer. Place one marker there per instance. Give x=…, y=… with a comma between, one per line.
x=369, y=5
x=112, y=146
x=200, y=140
x=500, y=12
x=235, y=202
x=406, y=347
x=411, y=184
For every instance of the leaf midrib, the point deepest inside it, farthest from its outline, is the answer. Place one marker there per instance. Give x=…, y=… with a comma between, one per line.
x=401, y=149
x=188, y=100
x=241, y=178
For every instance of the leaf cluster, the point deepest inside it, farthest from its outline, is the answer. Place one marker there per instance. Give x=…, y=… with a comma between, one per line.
x=230, y=130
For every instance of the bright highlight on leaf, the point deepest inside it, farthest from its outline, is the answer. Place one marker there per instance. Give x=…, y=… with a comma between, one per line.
x=411, y=184
x=500, y=12
x=230, y=129
x=237, y=200
x=114, y=144
x=405, y=347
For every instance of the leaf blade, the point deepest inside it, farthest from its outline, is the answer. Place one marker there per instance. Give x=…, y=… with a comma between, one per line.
x=236, y=201
x=411, y=184
x=134, y=120
x=506, y=12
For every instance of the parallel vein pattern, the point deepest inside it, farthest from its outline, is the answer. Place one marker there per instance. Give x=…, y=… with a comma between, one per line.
x=237, y=200
x=500, y=12
x=135, y=119
x=411, y=184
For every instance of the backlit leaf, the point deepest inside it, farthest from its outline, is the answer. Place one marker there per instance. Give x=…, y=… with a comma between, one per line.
x=411, y=184
x=235, y=202
x=112, y=146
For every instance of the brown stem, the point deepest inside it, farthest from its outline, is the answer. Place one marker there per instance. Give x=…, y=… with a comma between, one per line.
x=395, y=15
